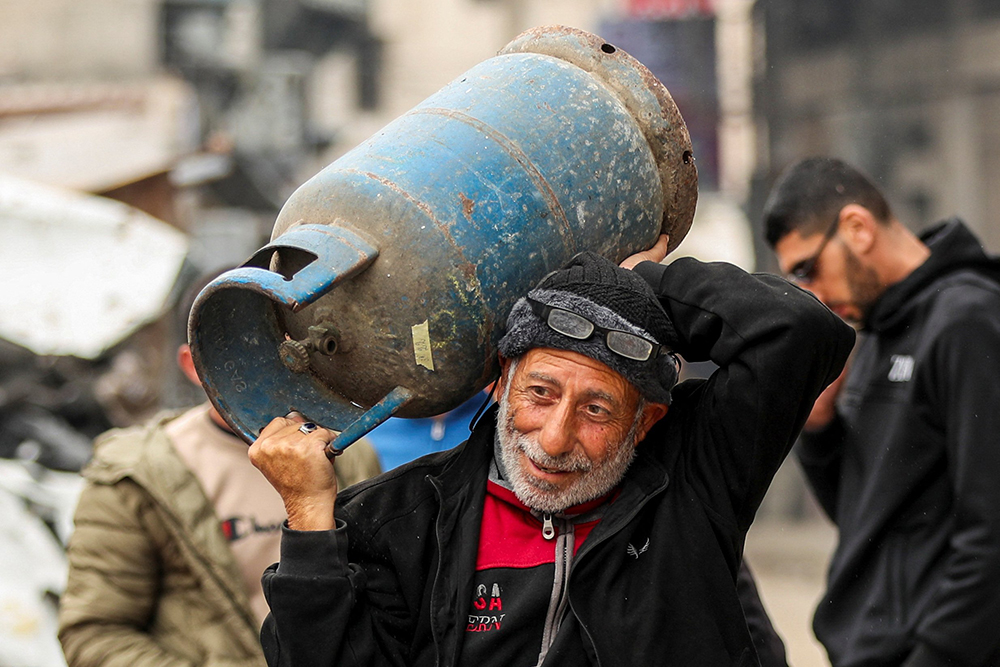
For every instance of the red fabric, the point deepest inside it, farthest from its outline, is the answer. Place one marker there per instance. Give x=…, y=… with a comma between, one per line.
x=670, y=9
x=511, y=537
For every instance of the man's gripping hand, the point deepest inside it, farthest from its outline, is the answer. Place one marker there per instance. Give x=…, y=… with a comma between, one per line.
x=654, y=254
x=295, y=464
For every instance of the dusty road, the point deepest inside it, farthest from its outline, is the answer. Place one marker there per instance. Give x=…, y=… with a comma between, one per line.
x=789, y=560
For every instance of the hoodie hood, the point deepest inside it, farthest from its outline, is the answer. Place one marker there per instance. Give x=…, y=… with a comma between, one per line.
x=953, y=248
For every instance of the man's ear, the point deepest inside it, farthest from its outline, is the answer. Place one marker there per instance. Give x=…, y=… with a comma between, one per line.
x=652, y=413
x=502, y=380
x=186, y=363
x=858, y=228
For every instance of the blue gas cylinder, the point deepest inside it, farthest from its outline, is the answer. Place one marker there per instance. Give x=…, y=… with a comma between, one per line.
x=390, y=273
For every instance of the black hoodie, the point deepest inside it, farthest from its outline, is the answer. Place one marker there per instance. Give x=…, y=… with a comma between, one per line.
x=909, y=470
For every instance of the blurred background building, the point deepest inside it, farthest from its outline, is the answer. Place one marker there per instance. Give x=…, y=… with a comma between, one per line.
x=206, y=114
x=907, y=89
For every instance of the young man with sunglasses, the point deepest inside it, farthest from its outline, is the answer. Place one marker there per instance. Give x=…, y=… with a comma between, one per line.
x=904, y=454
x=595, y=516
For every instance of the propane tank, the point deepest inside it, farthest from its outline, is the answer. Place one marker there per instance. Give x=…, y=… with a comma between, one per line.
x=389, y=274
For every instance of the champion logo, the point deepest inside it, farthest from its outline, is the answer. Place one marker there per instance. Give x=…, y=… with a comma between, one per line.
x=902, y=368
x=486, y=622
x=238, y=527
x=632, y=551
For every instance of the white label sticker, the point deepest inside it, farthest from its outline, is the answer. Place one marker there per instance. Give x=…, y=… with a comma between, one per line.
x=422, y=345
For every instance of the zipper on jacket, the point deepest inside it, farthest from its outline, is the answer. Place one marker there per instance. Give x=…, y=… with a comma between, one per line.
x=548, y=530
x=436, y=637
x=564, y=547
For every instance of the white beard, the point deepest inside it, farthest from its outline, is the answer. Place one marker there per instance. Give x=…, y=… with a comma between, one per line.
x=597, y=476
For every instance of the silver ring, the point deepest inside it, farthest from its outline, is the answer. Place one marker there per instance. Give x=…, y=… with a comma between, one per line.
x=308, y=428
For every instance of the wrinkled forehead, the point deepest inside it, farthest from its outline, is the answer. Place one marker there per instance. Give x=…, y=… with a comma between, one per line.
x=572, y=370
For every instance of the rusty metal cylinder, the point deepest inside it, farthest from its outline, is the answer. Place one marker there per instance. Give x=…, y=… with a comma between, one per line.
x=389, y=274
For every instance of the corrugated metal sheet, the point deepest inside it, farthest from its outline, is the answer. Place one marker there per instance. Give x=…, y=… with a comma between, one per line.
x=95, y=137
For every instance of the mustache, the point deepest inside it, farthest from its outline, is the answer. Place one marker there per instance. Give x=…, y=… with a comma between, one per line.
x=568, y=462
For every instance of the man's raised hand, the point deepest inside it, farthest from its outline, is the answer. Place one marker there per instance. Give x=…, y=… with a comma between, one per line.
x=654, y=254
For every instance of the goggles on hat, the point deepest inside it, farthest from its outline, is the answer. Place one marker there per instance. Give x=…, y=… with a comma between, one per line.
x=568, y=323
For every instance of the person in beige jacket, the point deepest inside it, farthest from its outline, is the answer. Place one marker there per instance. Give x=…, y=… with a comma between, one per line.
x=173, y=531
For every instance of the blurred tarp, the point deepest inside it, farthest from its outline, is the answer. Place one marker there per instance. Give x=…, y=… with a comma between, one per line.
x=83, y=272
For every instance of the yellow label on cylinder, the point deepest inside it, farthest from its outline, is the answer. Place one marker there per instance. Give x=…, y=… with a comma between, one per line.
x=422, y=345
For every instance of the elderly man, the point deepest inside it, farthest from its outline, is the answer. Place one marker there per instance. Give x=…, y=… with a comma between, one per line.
x=580, y=523
x=903, y=454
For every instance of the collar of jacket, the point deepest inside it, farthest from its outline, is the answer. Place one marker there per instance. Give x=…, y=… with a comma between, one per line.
x=461, y=490
x=953, y=247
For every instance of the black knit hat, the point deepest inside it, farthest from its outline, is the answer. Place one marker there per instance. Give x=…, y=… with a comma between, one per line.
x=610, y=297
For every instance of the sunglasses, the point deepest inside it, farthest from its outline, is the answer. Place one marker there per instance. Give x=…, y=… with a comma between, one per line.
x=805, y=271
x=575, y=326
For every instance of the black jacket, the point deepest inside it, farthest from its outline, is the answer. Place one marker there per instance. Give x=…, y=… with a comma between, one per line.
x=391, y=585
x=909, y=470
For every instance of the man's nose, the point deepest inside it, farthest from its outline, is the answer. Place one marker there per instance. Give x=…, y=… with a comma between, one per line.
x=557, y=436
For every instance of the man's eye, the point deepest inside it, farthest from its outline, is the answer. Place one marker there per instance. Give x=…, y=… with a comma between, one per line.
x=541, y=392
x=597, y=410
